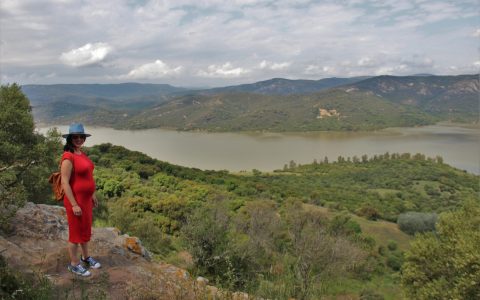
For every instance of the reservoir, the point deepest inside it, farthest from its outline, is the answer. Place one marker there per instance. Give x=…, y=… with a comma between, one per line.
x=459, y=146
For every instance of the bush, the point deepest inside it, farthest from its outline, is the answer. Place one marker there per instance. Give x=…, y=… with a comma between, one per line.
x=392, y=245
x=413, y=222
x=14, y=285
x=444, y=265
x=395, y=261
x=369, y=212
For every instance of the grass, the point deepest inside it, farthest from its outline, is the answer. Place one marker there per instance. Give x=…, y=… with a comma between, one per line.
x=381, y=231
x=386, y=285
x=383, y=192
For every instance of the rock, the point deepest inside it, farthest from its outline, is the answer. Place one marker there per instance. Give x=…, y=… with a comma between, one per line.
x=202, y=281
x=135, y=245
x=39, y=244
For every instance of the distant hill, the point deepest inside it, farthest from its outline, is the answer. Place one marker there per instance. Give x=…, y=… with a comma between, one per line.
x=281, y=86
x=366, y=103
x=124, y=91
x=455, y=98
x=333, y=109
x=101, y=104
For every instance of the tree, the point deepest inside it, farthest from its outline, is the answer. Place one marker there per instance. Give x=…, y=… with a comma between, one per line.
x=315, y=253
x=26, y=157
x=446, y=265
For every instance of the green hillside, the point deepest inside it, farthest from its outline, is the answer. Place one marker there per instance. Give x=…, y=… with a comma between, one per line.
x=281, y=86
x=330, y=110
x=272, y=105
x=453, y=98
x=321, y=230
x=241, y=227
x=39, y=94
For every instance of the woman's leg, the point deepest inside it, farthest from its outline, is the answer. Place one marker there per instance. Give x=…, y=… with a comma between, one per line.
x=72, y=251
x=84, y=250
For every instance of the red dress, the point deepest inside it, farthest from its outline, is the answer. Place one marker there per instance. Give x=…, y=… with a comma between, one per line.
x=83, y=187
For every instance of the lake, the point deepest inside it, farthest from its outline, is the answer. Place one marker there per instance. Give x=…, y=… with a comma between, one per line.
x=459, y=146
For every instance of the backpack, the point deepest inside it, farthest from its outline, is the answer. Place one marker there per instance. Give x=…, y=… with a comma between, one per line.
x=55, y=180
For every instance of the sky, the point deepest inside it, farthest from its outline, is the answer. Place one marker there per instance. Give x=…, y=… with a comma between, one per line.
x=209, y=43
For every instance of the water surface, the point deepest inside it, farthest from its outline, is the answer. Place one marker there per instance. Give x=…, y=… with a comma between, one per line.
x=459, y=146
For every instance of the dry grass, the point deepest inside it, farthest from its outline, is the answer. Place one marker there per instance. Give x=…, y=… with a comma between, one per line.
x=381, y=231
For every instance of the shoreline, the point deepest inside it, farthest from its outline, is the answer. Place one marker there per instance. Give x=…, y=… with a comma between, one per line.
x=442, y=123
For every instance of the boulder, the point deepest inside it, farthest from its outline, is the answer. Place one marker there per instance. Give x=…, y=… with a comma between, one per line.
x=38, y=245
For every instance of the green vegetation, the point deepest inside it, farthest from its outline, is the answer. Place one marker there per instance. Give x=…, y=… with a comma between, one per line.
x=14, y=285
x=273, y=105
x=265, y=233
x=26, y=157
x=240, y=112
x=446, y=264
x=305, y=232
x=451, y=98
x=413, y=222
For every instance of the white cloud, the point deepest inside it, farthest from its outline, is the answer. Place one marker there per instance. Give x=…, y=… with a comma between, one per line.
x=157, y=69
x=226, y=70
x=88, y=54
x=274, y=66
x=319, y=70
x=366, y=62
x=297, y=38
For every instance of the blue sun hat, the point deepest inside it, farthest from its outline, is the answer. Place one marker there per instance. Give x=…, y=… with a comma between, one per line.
x=76, y=128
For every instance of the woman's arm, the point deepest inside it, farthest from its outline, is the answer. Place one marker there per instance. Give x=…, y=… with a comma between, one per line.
x=66, y=171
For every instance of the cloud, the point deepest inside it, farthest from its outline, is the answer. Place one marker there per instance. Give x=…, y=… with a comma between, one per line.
x=274, y=66
x=418, y=62
x=258, y=38
x=157, y=69
x=89, y=54
x=319, y=70
x=366, y=62
x=226, y=70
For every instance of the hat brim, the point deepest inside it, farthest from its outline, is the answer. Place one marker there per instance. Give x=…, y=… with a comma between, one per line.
x=85, y=134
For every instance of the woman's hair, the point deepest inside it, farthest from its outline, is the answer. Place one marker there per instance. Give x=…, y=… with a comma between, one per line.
x=69, y=145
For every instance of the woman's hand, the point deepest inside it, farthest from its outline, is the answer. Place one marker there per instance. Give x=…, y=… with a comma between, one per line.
x=95, y=200
x=77, y=211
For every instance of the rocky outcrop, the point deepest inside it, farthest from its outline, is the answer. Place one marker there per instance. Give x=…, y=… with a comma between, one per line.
x=38, y=244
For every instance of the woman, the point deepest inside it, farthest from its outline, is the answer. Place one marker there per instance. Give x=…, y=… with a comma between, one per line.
x=79, y=200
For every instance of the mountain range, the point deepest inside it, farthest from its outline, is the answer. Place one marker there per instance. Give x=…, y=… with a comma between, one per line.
x=358, y=103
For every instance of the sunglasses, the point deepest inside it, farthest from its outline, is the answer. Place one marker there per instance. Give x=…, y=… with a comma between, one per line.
x=78, y=136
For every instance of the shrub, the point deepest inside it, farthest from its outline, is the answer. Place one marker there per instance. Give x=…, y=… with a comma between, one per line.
x=395, y=261
x=392, y=245
x=444, y=265
x=369, y=212
x=413, y=222
x=14, y=285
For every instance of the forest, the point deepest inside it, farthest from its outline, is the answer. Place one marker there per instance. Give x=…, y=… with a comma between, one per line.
x=391, y=226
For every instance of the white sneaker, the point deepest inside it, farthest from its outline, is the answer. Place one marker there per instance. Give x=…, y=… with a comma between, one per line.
x=91, y=262
x=79, y=270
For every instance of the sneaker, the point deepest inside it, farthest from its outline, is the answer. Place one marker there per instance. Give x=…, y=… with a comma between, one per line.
x=90, y=262
x=79, y=270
